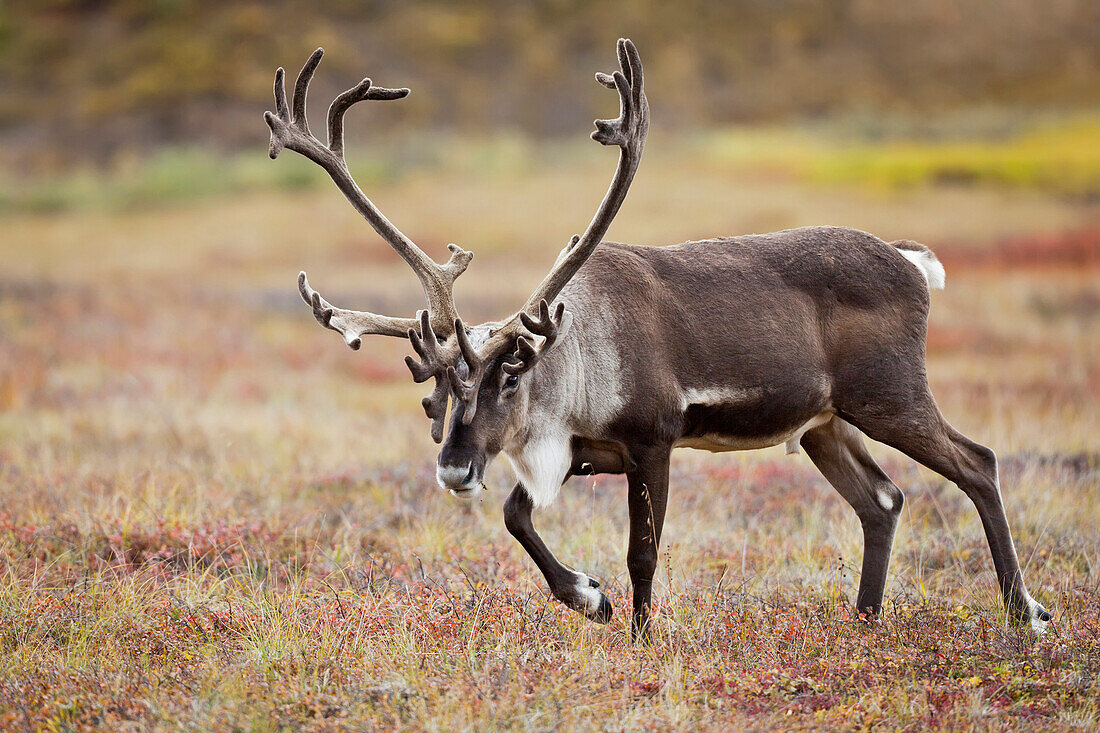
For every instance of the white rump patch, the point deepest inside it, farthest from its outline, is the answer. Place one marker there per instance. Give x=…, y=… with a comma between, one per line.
x=929, y=266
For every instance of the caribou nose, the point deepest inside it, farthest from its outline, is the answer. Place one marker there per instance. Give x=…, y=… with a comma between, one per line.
x=452, y=476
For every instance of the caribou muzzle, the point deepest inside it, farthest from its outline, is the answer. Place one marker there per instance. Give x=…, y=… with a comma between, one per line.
x=460, y=471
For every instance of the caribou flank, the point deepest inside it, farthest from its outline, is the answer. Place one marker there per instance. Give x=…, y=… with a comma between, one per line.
x=810, y=337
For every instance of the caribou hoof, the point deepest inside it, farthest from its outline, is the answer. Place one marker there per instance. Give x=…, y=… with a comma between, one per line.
x=1038, y=617
x=585, y=599
x=1030, y=612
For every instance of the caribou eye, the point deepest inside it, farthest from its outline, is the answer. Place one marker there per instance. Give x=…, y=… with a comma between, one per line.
x=512, y=380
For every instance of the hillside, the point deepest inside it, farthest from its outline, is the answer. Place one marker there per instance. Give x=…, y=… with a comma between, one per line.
x=89, y=80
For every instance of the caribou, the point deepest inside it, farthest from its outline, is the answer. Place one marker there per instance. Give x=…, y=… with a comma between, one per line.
x=811, y=337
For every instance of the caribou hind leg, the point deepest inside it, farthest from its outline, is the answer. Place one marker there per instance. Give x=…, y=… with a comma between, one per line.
x=919, y=430
x=576, y=590
x=837, y=450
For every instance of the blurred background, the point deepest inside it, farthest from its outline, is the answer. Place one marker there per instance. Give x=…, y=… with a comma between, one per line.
x=175, y=426
x=150, y=246
x=133, y=154
x=137, y=87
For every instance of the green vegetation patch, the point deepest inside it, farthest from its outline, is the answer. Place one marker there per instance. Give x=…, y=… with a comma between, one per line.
x=171, y=176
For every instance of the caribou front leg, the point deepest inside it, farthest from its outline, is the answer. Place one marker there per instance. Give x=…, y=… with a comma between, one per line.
x=648, y=494
x=576, y=590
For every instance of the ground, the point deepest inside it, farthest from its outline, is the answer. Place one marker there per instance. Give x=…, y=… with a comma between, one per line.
x=215, y=515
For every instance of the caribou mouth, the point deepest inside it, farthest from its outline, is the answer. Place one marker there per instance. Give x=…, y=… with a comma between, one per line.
x=467, y=492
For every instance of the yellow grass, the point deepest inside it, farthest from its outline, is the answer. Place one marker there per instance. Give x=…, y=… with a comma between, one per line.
x=1060, y=156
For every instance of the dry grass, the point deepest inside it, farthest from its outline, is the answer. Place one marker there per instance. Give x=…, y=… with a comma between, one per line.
x=212, y=515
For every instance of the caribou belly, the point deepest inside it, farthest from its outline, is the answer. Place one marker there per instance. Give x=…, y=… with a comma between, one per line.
x=752, y=419
x=719, y=442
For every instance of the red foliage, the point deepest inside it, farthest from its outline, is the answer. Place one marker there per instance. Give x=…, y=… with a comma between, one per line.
x=1076, y=248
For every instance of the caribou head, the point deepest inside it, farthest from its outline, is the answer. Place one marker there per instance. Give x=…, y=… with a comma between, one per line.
x=480, y=371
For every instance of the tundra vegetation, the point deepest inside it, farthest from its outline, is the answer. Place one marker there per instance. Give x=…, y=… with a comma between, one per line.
x=212, y=516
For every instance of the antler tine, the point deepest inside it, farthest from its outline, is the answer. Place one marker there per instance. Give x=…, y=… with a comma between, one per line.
x=361, y=91
x=352, y=325
x=280, y=94
x=469, y=353
x=435, y=407
x=301, y=87
x=545, y=325
x=282, y=113
x=466, y=391
x=427, y=348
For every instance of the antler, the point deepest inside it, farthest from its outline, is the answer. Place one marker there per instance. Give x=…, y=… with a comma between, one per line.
x=466, y=392
x=628, y=132
x=290, y=129
x=434, y=362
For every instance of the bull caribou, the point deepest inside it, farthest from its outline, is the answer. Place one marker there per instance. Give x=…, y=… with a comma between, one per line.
x=808, y=337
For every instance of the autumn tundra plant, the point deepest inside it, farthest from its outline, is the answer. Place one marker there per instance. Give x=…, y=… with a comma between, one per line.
x=810, y=337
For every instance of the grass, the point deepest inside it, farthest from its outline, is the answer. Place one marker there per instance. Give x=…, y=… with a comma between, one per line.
x=215, y=516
